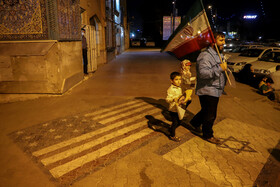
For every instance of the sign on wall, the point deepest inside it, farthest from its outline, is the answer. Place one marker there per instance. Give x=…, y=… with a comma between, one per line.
x=168, y=26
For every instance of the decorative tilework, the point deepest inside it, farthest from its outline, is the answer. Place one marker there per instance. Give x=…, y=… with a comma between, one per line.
x=24, y=19
x=27, y=20
x=69, y=20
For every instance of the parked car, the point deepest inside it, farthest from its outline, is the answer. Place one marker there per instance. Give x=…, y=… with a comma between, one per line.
x=230, y=45
x=267, y=63
x=150, y=43
x=276, y=44
x=236, y=63
x=240, y=48
x=135, y=42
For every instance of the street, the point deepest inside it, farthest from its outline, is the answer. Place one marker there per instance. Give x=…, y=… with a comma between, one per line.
x=110, y=130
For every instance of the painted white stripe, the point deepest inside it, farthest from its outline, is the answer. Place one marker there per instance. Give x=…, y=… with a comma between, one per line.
x=97, y=112
x=69, y=166
x=90, y=134
x=121, y=115
x=93, y=143
x=118, y=111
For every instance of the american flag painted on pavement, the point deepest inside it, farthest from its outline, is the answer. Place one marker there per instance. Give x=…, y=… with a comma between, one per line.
x=71, y=147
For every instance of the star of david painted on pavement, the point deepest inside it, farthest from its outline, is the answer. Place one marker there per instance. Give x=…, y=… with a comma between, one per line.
x=235, y=145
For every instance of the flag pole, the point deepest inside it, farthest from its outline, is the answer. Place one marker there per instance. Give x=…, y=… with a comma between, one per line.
x=216, y=47
x=222, y=62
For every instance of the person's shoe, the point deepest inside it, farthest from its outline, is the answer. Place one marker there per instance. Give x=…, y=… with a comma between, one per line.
x=195, y=130
x=213, y=140
x=175, y=138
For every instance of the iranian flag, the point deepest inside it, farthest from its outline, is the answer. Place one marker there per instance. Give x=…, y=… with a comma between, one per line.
x=194, y=32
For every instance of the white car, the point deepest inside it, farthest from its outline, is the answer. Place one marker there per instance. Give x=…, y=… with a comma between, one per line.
x=230, y=45
x=267, y=64
x=236, y=63
x=238, y=49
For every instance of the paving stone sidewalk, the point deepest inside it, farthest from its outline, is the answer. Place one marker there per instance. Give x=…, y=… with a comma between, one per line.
x=71, y=148
x=111, y=130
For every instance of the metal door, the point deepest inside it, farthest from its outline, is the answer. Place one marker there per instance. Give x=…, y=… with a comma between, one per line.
x=91, y=44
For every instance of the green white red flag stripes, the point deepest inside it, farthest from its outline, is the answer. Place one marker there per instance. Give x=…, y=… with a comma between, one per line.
x=194, y=33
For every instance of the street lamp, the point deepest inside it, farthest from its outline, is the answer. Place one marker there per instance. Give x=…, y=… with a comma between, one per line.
x=213, y=16
x=174, y=14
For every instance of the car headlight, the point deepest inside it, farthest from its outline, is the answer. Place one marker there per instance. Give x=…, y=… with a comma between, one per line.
x=240, y=63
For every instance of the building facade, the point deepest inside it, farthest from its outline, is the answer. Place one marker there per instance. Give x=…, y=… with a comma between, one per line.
x=94, y=22
x=117, y=30
x=40, y=43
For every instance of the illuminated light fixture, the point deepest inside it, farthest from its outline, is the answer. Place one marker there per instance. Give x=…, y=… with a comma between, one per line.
x=198, y=32
x=250, y=16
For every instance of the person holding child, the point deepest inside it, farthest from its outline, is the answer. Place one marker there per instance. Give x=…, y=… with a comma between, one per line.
x=266, y=89
x=175, y=98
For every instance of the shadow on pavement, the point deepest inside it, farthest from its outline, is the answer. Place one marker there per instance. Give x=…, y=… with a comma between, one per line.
x=160, y=103
x=269, y=175
x=275, y=153
x=159, y=125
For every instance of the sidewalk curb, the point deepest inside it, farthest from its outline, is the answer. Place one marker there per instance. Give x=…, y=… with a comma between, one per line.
x=12, y=98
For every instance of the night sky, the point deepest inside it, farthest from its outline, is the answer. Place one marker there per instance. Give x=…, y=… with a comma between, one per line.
x=146, y=16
